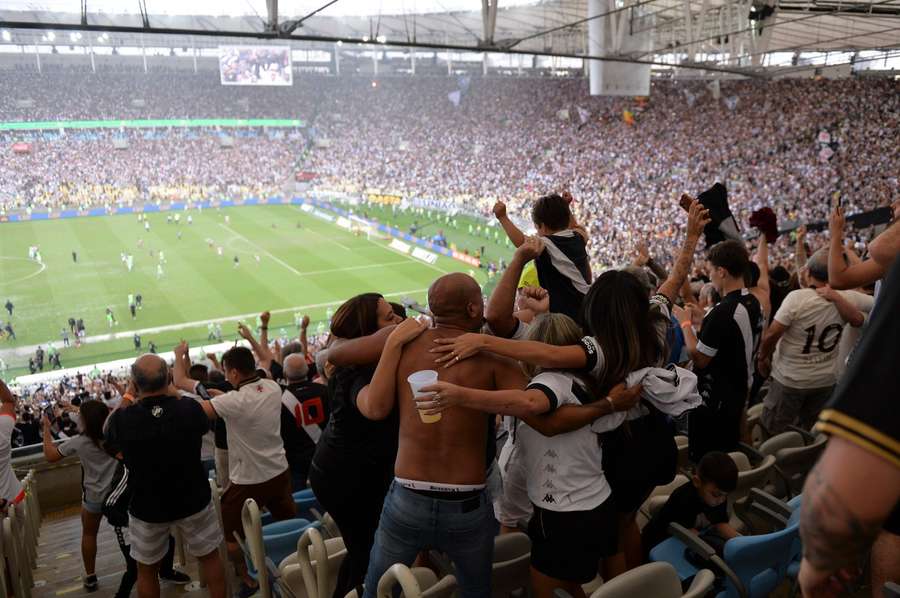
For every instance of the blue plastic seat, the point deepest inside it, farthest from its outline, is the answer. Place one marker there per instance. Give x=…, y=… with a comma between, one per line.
x=305, y=506
x=281, y=527
x=279, y=540
x=305, y=493
x=759, y=563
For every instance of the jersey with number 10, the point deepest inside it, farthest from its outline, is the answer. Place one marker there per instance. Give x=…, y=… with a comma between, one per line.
x=806, y=354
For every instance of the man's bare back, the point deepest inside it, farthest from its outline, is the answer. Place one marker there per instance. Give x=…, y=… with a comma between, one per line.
x=451, y=451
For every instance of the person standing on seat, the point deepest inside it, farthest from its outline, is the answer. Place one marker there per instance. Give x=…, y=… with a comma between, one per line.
x=258, y=468
x=159, y=438
x=807, y=331
x=723, y=354
x=438, y=498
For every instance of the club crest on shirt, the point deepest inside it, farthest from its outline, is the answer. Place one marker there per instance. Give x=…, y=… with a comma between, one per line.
x=157, y=411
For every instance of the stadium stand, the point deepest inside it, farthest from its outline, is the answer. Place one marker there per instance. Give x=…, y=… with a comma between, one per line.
x=489, y=446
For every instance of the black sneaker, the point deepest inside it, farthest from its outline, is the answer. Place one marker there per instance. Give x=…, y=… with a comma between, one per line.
x=175, y=576
x=90, y=583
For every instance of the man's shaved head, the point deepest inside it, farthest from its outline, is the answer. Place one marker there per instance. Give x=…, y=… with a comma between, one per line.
x=150, y=374
x=456, y=297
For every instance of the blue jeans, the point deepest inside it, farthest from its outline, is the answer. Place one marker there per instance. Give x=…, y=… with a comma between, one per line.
x=411, y=522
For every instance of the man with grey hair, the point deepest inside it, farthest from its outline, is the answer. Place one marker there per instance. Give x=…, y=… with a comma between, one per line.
x=807, y=331
x=160, y=437
x=304, y=414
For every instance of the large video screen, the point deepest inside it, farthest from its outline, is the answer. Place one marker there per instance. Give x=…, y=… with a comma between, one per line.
x=255, y=65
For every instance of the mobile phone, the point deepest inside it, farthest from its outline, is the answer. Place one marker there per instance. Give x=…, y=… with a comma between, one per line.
x=836, y=200
x=685, y=202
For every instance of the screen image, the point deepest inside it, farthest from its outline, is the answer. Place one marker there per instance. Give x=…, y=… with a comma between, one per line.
x=255, y=65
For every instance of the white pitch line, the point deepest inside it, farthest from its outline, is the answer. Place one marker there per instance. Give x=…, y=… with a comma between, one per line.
x=27, y=350
x=27, y=276
x=268, y=253
x=320, y=235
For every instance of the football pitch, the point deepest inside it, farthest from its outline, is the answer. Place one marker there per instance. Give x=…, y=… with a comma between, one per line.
x=304, y=265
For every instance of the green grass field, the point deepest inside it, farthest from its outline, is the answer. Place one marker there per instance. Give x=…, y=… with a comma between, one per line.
x=307, y=269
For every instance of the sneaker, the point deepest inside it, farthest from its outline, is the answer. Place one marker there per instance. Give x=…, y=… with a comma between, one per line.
x=90, y=583
x=246, y=591
x=175, y=576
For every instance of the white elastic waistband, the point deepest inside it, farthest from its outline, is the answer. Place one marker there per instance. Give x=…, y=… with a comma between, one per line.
x=438, y=487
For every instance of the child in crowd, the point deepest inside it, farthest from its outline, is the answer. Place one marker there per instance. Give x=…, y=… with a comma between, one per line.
x=701, y=505
x=563, y=268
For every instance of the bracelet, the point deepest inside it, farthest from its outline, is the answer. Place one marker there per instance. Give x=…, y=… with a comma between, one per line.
x=612, y=405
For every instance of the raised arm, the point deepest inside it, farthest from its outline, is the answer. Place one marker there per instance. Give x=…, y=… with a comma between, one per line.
x=761, y=290
x=501, y=305
x=264, y=317
x=512, y=231
x=533, y=352
x=376, y=400
x=841, y=275
x=304, y=340
x=51, y=452
x=698, y=217
x=262, y=350
x=886, y=246
x=180, y=369
x=360, y=351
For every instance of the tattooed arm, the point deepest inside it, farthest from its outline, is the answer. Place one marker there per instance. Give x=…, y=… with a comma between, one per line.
x=698, y=217
x=839, y=522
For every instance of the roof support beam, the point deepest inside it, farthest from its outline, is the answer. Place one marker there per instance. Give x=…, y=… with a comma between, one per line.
x=489, y=18
x=272, y=21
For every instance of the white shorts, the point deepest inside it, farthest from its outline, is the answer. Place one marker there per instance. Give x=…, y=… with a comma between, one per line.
x=202, y=534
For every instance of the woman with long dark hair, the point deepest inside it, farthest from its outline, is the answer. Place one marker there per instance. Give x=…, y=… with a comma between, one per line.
x=354, y=460
x=97, y=468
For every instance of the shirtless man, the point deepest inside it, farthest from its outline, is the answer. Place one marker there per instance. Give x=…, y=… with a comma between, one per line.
x=438, y=498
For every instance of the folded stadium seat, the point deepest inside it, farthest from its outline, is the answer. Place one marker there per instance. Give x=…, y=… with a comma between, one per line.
x=311, y=571
x=262, y=551
x=753, y=566
x=307, y=505
x=795, y=454
x=419, y=582
x=658, y=580
x=231, y=580
x=511, y=562
x=512, y=559
x=657, y=499
x=682, y=443
x=758, y=433
x=751, y=474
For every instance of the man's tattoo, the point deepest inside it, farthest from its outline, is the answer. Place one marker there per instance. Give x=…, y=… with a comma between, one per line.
x=833, y=536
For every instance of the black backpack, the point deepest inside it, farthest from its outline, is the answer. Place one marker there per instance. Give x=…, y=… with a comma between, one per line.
x=640, y=455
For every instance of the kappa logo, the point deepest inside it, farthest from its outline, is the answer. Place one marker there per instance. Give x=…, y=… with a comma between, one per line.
x=550, y=469
x=549, y=499
x=549, y=484
x=551, y=453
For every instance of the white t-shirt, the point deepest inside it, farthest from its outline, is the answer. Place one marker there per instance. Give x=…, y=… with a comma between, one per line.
x=208, y=445
x=97, y=466
x=563, y=472
x=10, y=487
x=253, y=416
x=807, y=352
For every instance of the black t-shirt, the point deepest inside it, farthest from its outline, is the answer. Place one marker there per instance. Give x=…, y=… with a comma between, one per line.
x=730, y=336
x=160, y=439
x=309, y=410
x=563, y=269
x=865, y=406
x=686, y=508
x=350, y=440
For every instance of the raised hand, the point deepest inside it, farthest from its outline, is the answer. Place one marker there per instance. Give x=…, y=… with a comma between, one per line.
x=836, y=223
x=499, y=210
x=304, y=323
x=181, y=349
x=264, y=318
x=698, y=217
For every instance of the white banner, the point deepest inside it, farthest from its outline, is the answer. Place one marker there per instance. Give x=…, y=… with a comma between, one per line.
x=343, y=222
x=425, y=256
x=399, y=246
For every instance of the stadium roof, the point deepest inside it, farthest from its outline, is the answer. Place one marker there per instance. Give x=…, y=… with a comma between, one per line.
x=734, y=33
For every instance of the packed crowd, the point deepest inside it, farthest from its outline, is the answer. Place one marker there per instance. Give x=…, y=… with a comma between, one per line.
x=506, y=140
x=550, y=409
